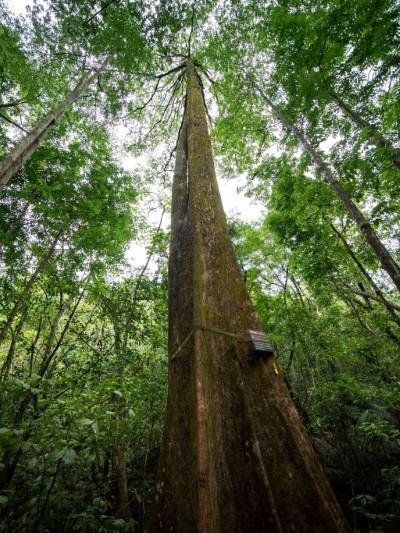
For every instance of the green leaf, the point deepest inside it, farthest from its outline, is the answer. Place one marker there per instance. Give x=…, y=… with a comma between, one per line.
x=32, y=463
x=85, y=422
x=26, y=445
x=69, y=456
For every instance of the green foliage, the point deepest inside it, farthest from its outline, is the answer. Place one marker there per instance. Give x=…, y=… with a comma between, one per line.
x=340, y=358
x=68, y=422
x=83, y=365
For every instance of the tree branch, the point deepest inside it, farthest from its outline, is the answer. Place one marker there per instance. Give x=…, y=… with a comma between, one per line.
x=14, y=104
x=99, y=11
x=13, y=123
x=176, y=69
x=370, y=296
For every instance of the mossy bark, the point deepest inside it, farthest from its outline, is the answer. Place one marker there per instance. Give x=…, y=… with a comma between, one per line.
x=235, y=456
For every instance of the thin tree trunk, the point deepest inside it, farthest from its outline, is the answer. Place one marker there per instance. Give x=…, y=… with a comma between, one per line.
x=28, y=287
x=11, y=462
x=68, y=323
x=28, y=144
x=5, y=371
x=379, y=295
x=48, y=352
x=376, y=138
x=367, y=296
x=350, y=303
x=124, y=510
x=32, y=348
x=386, y=260
x=41, y=511
x=131, y=314
x=298, y=291
x=13, y=226
x=235, y=456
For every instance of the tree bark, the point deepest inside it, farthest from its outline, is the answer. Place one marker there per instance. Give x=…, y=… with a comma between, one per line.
x=235, y=456
x=28, y=144
x=28, y=287
x=386, y=260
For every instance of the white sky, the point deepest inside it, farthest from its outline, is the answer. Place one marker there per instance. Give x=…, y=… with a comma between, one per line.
x=18, y=6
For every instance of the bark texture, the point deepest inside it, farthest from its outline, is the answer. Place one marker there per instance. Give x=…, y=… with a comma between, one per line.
x=235, y=456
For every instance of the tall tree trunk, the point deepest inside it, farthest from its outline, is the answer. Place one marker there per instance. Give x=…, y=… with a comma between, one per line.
x=18, y=304
x=386, y=260
x=235, y=456
x=28, y=144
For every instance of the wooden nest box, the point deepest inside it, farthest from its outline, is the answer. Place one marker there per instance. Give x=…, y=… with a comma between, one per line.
x=259, y=342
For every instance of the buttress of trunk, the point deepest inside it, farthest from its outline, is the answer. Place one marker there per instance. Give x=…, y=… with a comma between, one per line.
x=18, y=304
x=28, y=144
x=385, y=259
x=235, y=456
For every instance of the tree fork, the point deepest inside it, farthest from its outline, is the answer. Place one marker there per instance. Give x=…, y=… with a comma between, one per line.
x=235, y=456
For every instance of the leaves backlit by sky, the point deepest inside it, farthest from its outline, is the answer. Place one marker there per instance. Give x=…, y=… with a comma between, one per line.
x=234, y=199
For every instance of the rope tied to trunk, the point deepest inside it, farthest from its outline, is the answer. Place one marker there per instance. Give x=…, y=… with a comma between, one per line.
x=211, y=330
